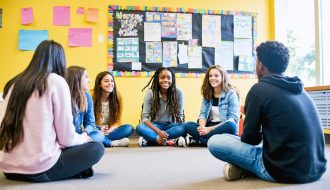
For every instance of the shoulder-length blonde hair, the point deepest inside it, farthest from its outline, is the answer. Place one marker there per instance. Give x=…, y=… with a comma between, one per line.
x=226, y=85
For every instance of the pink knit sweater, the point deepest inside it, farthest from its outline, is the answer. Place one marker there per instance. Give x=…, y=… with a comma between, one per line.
x=48, y=128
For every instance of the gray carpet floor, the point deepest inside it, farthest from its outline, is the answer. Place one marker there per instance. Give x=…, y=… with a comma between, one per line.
x=161, y=168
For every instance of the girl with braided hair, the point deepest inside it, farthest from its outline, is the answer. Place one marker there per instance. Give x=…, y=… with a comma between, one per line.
x=162, y=114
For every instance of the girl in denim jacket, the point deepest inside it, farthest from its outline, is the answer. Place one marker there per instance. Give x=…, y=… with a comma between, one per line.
x=108, y=109
x=82, y=105
x=220, y=108
x=162, y=114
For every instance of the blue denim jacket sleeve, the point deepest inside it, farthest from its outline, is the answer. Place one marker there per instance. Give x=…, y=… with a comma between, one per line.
x=233, y=106
x=229, y=107
x=89, y=118
x=205, y=109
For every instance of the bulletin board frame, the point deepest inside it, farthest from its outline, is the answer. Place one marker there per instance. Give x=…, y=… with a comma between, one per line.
x=147, y=69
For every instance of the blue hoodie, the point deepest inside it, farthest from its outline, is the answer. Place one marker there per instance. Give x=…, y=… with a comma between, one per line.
x=280, y=112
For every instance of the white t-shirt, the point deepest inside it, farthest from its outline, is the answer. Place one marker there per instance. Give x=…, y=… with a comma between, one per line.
x=105, y=113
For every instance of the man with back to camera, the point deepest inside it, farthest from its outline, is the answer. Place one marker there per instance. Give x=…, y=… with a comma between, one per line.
x=282, y=139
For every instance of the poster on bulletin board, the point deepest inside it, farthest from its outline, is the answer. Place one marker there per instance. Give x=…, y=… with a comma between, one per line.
x=188, y=40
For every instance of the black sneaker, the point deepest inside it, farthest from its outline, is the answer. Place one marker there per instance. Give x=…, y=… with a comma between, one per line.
x=143, y=142
x=190, y=141
x=89, y=172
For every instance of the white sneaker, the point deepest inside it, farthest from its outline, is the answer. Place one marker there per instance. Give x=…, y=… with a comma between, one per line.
x=142, y=142
x=180, y=142
x=121, y=142
x=232, y=172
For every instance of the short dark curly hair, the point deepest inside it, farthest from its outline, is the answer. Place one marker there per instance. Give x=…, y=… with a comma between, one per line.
x=274, y=55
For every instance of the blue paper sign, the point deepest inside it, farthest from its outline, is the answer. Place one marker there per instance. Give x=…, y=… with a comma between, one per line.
x=30, y=39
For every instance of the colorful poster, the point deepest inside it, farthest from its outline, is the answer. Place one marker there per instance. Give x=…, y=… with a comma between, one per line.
x=0, y=18
x=153, y=52
x=224, y=55
x=152, y=32
x=168, y=25
x=61, y=16
x=211, y=30
x=128, y=23
x=195, y=57
x=27, y=15
x=30, y=39
x=127, y=50
x=170, y=54
x=242, y=26
x=80, y=37
x=183, y=26
x=92, y=15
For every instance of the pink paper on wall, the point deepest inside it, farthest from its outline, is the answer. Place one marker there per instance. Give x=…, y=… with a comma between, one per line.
x=27, y=15
x=80, y=11
x=61, y=15
x=92, y=15
x=80, y=37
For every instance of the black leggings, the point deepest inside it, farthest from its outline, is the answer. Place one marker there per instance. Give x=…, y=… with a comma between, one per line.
x=73, y=161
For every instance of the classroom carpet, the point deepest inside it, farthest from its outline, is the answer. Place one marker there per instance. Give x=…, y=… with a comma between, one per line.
x=162, y=168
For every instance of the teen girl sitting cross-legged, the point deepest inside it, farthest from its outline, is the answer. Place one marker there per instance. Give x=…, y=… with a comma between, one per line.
x=220, y=108
x=162, y=114
x=82, y=105
x=108, y=106
x=37, y=138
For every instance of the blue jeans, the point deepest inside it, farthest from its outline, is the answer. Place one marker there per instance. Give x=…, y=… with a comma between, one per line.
x=230, y=148
x=97, y=136
x=122, y=131
x=174, y=130
x=226, y=127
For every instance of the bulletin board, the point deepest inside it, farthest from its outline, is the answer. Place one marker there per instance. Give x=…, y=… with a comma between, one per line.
x=141, y=39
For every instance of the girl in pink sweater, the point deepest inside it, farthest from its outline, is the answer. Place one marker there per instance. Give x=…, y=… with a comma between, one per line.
x=37, y=138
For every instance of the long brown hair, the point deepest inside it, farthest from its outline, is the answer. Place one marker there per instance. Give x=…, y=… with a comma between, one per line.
x=78, y=97
x=226, y=85
x=48, y=58
x=172, y=98
x=114, y=104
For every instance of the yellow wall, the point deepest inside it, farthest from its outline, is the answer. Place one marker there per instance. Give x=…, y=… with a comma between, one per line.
x=94, y=59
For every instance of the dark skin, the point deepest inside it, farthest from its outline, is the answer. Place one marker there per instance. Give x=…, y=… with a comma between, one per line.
x=261, y=70
x=165, y=82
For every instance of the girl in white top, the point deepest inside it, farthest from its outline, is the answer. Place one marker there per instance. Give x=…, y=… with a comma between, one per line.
x=220, y=108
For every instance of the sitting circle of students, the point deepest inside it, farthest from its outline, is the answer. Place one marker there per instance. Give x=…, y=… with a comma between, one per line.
x=48, y=110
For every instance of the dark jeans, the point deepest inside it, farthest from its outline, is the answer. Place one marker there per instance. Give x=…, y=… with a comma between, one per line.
x=226, y=127
x=73, y=161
